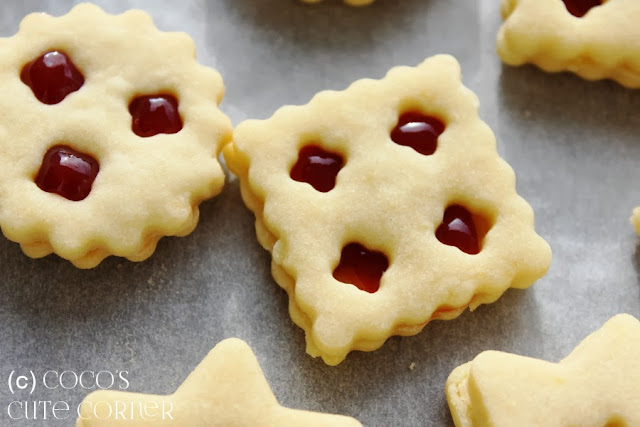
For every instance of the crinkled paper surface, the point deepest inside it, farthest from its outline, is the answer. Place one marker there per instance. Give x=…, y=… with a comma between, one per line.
x=574, y=145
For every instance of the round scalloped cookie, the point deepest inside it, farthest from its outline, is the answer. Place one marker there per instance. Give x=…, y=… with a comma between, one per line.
x=594, y=42
x=146, y=187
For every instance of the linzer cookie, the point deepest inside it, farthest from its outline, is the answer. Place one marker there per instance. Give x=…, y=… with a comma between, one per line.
x=595, y=386
x=228, y=388
x=109, y=135
x=596, y=39
x=385, y=206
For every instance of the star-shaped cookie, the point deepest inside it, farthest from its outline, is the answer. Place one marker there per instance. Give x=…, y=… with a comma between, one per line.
x=227, y=388
x=592, y=38
x=597, y=385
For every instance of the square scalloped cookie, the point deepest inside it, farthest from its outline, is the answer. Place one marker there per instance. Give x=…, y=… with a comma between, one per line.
x=595, y=41
x=227, y=388
x=595, y=386
x=109, y=137
x=385, y=206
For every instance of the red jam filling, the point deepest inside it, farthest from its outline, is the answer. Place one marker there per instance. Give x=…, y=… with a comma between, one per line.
x=52, y=77
x=154, y=114
x=580, y=8
x=317, y=167
x=67, y=172
x=418, y=131
x=361, y=267
x=458, y=229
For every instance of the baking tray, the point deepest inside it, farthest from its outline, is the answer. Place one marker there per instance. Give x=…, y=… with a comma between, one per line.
x=574, y=146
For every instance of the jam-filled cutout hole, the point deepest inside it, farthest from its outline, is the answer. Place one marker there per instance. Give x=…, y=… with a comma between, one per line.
x=419, y=131
x=317, y=167
x=361, y=267
x=155, y=114
x=616, y=421
x=52, y=76
x=579, y=8
x=463, y=229
x=67, y=172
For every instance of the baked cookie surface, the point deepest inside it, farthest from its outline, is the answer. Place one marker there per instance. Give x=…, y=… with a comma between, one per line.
x=385, y=206
x=635, y=220
x=349, y=2
x=595, y=386
x=227, y=388
x=594, y=39
x=109, y=138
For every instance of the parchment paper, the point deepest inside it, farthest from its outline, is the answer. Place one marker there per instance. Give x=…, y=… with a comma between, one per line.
x=574, y=146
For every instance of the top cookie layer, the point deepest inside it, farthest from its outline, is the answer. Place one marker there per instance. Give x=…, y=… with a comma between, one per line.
x=146, y=187
x=388, y=198
x=604, y=43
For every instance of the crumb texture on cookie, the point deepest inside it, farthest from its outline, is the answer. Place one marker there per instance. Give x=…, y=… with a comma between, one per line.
x=595, y=386
x=146, y=188
x=603, y=43
x=349, y=2
x=388, y=199
x=227, y=388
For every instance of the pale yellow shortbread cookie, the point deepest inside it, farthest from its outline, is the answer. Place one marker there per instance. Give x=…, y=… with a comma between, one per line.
x=635, y=219
x=388, y=198
x=146, y=188
x=349, y=2
x=604, y=43
x=595, y=386
x=227, y=388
